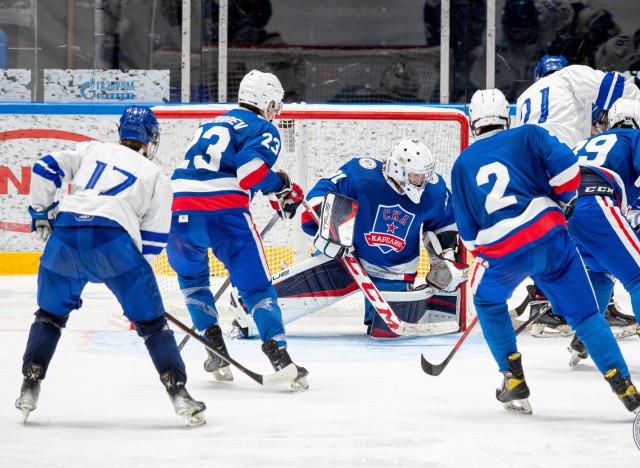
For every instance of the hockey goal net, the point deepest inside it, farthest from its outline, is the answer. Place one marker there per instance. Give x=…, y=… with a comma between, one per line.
x=316, y=141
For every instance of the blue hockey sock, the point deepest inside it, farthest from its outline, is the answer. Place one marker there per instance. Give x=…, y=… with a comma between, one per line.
x=43, y=339
x=162, y=348
x=596, y=335
x=263, y=307
x=201, y=306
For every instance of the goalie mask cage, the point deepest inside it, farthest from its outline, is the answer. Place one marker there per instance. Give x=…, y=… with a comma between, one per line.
x=316, y=141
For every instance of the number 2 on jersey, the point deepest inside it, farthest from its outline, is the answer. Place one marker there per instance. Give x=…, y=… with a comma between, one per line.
x=496, y=200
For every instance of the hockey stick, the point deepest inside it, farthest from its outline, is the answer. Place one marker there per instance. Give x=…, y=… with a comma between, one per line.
x=227, y=281
x=379, y=303
x=285, y=375
x=436, y=369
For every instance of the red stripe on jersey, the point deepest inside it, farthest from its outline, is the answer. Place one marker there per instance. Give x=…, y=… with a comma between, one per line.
x=623, y=225
x=525, y=236
x=209, y=203
x=568, y=186
x=254, y=177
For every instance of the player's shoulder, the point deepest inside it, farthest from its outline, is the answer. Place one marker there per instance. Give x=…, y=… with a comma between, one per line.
x=363, y=165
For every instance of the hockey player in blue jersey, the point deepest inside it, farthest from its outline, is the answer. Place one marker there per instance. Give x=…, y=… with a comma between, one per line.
x=562, y=101
x=400, y=199
x=228, y=160
x=108, y=230
x=605, y=238
x=512, y=189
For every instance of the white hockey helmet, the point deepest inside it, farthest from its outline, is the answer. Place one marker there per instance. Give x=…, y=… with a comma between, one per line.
x=624, y=113
x=410, y=165
x=258, y=89
x=488, y=107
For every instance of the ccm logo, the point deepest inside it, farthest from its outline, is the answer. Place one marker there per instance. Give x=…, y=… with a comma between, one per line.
x=599, y=189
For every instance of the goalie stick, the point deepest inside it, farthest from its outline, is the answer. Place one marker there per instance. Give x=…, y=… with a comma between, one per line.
x=436, y=369
x=227, y=281
x=379, y=303
x=285, y=375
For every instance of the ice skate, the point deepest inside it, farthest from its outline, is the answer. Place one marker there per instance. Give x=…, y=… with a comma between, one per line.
x=30, y=391
x=548, y=325
x=192, y=411
x=514, y=393
x=577, y=350
x=220, y=368
x=624, y=390
x=280, y=359
x=622, y=325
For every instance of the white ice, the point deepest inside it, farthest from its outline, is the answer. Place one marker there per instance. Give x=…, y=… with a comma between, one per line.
x=369, y=405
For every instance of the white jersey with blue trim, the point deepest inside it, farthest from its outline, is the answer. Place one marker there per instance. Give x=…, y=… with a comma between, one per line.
x=506, y=186
x=229, y=158
x=109, y=181
x=388, y=225
x=561, y=102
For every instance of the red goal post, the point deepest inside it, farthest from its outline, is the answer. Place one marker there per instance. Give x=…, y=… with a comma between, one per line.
x=316, y=141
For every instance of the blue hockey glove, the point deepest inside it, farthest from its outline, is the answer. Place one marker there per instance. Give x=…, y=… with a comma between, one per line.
x=41, y=221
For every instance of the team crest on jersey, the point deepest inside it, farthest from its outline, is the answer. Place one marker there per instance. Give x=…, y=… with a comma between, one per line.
x=390, y=228
x=367, y=163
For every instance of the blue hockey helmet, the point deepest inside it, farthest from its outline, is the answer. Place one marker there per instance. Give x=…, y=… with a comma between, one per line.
x=140, y=124
x=548, y=64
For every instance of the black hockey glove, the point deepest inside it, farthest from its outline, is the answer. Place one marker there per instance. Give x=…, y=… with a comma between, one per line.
x=286, y=200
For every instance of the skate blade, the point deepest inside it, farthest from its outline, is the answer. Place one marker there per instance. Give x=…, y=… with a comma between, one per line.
x=518, y=406
x=223, y=374
x=25, y=414
x=540, y=330
x=299, y=385
x=194, y=420
x=575, y=358
x=624, y=332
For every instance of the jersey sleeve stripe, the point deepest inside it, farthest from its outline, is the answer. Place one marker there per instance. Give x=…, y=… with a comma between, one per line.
x=49, y=169
x=151, y=250
x=567, y=181
x=611, y=89
x=251, y=173
x=203, y=186
x=152, y=236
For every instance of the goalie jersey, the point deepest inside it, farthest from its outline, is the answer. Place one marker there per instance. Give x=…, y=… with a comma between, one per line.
x=111, y=185
x=518, y=176
x=619, y=151
x=388, y=226
x=228, y=159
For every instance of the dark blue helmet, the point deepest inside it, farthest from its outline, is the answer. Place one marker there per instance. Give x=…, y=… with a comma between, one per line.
x=140, y=124
x=547, y=64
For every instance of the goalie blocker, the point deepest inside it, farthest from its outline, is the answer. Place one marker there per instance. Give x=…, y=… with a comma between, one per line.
x=319, y=282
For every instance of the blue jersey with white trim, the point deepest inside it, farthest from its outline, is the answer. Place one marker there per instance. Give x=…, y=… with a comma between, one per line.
x=506, y=186
x=388, y=225
x=228, y=159
x=619, y=151
x=561, y=102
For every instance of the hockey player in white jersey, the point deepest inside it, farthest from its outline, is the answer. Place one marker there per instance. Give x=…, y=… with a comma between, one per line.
x=108, y=230
x=562, y=101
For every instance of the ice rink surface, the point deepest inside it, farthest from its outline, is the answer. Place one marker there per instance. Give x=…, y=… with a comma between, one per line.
x=369, y=405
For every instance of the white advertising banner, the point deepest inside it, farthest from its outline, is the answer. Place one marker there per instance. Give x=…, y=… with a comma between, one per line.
x=15, y=85
x=151, y=86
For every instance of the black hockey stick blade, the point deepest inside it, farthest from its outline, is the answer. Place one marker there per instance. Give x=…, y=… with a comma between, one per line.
x=436, y=369
x=519, y=310
x=285, y=375
x=227, y=281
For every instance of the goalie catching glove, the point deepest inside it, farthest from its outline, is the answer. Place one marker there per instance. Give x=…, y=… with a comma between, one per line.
x=286, y=200
x=337, y=222
x=445, y=272
x=41, y=221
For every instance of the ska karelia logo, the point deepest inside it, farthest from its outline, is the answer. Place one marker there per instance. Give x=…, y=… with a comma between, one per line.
x=367, y=163
x=636, y=430
x=390, y=228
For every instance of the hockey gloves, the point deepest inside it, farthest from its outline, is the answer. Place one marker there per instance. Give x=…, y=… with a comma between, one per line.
x=569, y=207
x=286, y=200
x=337, y=223
x=41, y=221
x=445, y=272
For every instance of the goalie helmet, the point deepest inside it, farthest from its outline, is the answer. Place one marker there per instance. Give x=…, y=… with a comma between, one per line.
x=548, y=64
x=488, y=107
x=258, y=89
x=624, y=113
x=410, y=165
x=140, y=124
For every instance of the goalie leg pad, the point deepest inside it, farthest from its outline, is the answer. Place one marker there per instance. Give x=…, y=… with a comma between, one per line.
x=376, y=327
